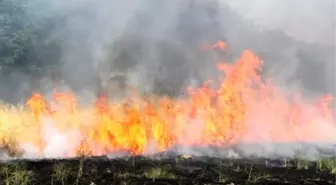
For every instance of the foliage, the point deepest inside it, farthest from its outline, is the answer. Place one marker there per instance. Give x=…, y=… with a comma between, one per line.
x=21, y=37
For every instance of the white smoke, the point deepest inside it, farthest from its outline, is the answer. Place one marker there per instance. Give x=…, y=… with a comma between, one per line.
x=308, y=20
x=56, y=144
x=93, y=29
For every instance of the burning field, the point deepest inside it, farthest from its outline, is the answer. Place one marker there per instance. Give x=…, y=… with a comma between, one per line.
x=250, y=130
x=244, y=109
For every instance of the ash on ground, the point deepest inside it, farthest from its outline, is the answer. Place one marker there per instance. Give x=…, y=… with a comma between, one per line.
x=284, y=151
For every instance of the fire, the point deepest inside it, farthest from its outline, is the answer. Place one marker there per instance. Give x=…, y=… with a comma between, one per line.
x=245, y=108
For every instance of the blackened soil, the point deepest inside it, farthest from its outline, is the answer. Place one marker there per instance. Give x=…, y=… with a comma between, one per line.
x=178, y=170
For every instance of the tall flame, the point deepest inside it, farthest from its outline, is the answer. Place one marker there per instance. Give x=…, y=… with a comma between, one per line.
x=245, y=108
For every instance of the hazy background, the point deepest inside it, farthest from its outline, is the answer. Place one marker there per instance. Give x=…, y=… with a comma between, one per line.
x=309, y=20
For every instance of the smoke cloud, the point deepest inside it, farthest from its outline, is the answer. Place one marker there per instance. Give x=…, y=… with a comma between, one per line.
x=154, y=46
x=311, y=22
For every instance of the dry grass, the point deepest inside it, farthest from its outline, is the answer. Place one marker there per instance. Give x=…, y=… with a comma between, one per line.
x=12, y=127
x=161, y=172
x=16, y=125
x=16, y=174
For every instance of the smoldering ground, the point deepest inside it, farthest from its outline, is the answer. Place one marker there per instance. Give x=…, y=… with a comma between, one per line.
x=154, y=47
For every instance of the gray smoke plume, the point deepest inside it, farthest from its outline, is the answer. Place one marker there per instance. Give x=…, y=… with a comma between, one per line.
x=153, y=45
x=301, y=35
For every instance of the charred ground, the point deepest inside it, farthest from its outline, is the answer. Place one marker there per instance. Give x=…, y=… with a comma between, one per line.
x=173, y=170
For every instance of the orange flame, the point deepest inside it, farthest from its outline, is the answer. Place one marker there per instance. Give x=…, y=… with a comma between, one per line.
x=223, y=116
